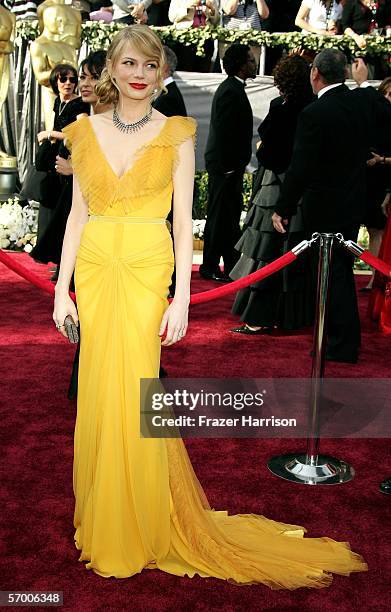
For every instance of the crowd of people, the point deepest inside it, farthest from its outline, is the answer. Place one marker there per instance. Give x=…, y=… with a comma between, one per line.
x=323, y=167
x=354, y=18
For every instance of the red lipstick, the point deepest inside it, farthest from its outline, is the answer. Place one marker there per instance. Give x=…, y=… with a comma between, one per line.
x=138, y=85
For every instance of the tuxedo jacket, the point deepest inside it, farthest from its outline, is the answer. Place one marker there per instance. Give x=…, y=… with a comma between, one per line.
x=231, y=126
x=328, y=167
x=277, y=134
x=171, y=103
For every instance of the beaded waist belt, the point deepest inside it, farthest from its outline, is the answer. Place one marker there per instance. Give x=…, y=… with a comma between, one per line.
x=126, y=219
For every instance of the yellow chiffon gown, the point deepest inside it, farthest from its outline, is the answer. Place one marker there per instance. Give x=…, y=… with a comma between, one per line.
x=138, y=501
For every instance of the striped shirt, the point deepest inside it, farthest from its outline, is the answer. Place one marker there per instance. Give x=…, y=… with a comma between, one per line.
x=246, y=17
x=22, y=9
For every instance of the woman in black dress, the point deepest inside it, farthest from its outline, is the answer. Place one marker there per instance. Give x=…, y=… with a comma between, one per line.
x=67, y=107
x=378, y=181
x=360, y=17
x=357, y=18
x=283, y=299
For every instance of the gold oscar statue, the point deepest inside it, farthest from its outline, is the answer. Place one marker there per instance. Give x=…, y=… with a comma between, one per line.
x=7, y=29
x=60, y=27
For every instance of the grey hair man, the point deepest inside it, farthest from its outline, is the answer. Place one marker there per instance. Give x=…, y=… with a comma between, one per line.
x=329, y=67
x=328, y=172
x=171, y=62
x=171, y=102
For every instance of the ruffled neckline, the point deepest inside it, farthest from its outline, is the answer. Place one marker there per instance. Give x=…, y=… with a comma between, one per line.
x=102, y=188
x=138, y=152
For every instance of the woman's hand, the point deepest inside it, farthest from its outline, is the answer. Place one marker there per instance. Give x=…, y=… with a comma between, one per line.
x=376, y=159
x=360, y=41
x=278, y=223
x=137, y=11
x=42, y=135
x=174, y=322
x=51, y=135
x=64, y=306
x=63, y=166
x=325, y=32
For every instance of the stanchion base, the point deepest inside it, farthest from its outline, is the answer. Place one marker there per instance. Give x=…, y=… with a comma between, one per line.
x=328, y=470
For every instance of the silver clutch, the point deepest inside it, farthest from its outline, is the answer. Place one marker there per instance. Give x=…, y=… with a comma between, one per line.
x=71, y=330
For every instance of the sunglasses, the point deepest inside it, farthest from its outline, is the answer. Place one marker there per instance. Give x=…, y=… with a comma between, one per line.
x=64, y=79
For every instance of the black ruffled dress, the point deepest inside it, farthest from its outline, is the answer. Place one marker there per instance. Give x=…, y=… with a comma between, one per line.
x=284, y=299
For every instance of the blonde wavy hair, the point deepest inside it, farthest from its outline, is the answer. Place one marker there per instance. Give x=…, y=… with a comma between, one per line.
x=146, y=42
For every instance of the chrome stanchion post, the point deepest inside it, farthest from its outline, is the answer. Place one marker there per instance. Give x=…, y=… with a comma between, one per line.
x=313, y=468
x=319, y=346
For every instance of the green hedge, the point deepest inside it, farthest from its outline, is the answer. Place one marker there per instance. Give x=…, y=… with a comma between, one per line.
x=201, y=193
x=99, y=34
x=200, y=206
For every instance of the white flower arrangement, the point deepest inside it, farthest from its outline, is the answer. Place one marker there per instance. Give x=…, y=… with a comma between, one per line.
x=243, y=215
x=18, y=225
x=198, y=228
x=199, y=225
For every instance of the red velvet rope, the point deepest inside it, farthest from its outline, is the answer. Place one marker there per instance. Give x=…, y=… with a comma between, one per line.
x=213, y=294
x=33, y=278
x=203, y=296
x=375, y=262
x=196, y=298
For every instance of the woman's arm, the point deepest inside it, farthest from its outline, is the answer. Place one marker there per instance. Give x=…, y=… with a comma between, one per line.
x=359, y=40
x=301, y=20
x=263, y=9
x=230, y=7
x=53, y=134
x=78, y=217
x=212, y=11
x=175, y=318
x=178, y=9
x=379, y=159
x=346, y=22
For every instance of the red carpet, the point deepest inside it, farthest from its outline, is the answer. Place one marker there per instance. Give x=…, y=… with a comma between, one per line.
x=37, y=428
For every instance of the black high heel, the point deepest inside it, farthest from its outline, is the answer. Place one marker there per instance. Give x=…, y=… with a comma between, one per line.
x=245, y=329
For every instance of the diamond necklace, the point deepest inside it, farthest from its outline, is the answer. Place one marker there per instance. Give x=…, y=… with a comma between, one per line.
x=130, y=128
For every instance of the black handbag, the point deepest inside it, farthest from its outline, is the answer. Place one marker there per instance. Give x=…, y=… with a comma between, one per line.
x=45, y=158
x=31, y=187
x=50, y=188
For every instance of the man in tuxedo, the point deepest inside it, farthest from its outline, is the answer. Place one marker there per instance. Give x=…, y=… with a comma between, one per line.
x=170, y=103
x=327, y=170
x=228, y=151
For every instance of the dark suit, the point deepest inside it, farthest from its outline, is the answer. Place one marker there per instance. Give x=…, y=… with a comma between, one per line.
x=171, y=103
x=228, y=151
x=328, y=166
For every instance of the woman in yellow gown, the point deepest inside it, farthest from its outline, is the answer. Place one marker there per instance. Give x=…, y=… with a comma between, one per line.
x=138, y=501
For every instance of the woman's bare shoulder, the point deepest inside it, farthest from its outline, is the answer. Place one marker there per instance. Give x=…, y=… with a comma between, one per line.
x=158, y=116
x=101, y=118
